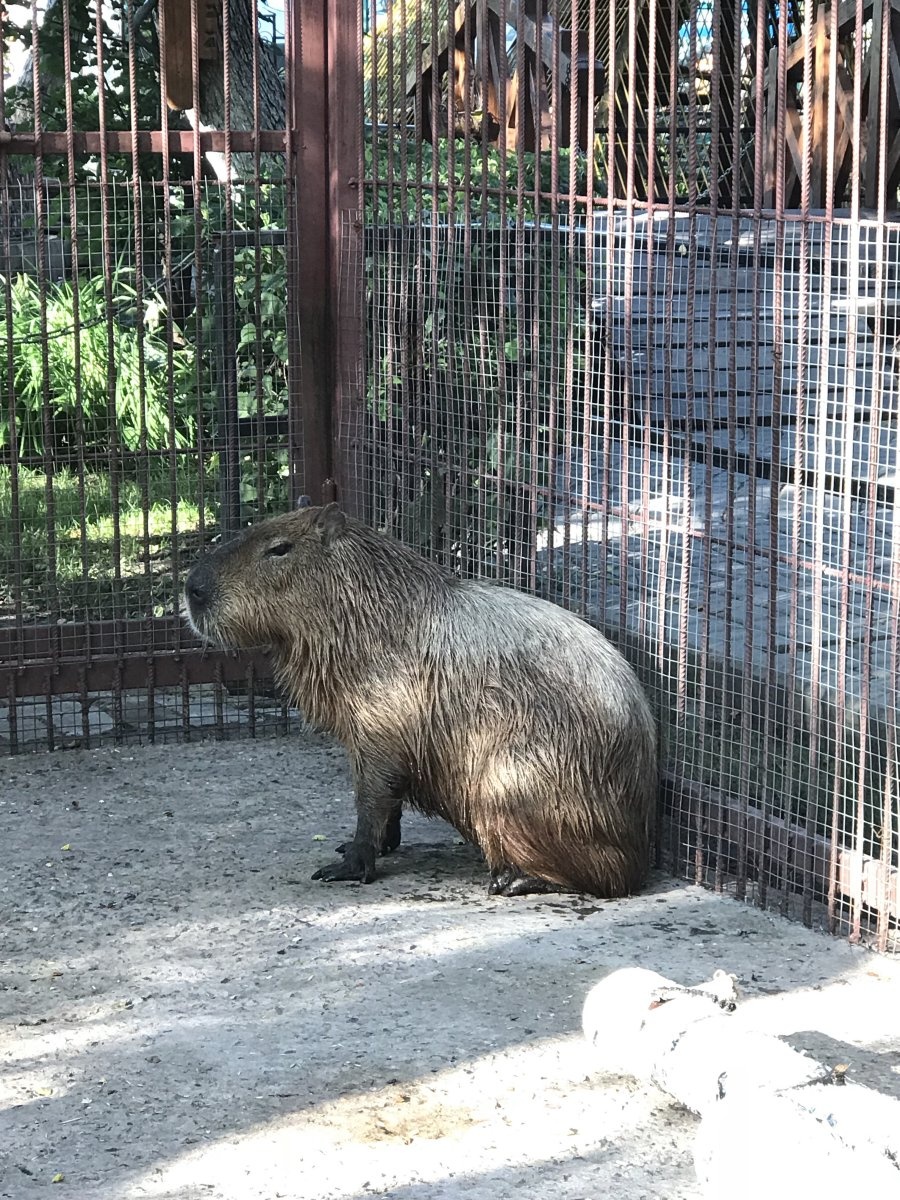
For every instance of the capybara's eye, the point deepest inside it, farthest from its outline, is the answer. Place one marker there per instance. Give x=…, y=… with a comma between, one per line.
x=278, y=550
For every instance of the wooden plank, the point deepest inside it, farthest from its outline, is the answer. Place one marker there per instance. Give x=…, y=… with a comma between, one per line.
x=819, y=123
x=176, y=52
x=771, y=131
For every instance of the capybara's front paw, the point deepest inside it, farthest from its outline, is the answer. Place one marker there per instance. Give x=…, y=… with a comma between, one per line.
x=355, y=868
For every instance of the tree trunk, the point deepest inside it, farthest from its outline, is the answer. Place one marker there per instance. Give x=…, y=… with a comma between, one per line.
x=242, y=115
x=775, y=1123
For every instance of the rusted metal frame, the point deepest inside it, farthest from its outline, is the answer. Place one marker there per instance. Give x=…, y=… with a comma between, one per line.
x=712, y=362
x=888, y=915
x=367, y=464
x=810, y=853
x=688, y=501
x=822, y=449
x=746, y=746
x=628, y=397
x=645, y=579
x=800, y=437
x=137, y=209
x=582, y=211
x=673, y=851
x=76, y=294
x=501, y=419
x=458, y=483
x=385, y=434
x=259, y=444
x=394, y=471
x=652, y=635
x=521, y=549
x=567, y=415
x=171, y=452
x=228, y=438
x=86, y=639
x=460, y=420
x=198, y=269
x=346, y=172
x=533, y=391
x=15, y=567
x=403, y=299
x=116, y=141
x=849, y=407
x=553, y=366
x=49, y=466
x=472, y=319
x=119, y=673
x=474, y=209
x=113, y=463
x=310, y=324
x=732, y=420
x=395, y=62
x=770, y=719
x=232, y=446
x=613, y=400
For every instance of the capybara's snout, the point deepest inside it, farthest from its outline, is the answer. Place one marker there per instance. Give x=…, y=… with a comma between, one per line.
x=199, y=590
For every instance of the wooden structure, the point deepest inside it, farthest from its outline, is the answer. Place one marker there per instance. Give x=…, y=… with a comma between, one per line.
x=516, y=107
x=521, y=95
x=178, y=47
x=817, y=43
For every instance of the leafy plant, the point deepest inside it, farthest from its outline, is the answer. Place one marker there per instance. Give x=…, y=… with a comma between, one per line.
x=83, y=384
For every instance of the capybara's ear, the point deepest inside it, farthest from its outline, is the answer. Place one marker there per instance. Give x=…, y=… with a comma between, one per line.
x=330, y=523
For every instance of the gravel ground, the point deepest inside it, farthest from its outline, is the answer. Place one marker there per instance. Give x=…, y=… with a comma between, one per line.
x=185, y=1014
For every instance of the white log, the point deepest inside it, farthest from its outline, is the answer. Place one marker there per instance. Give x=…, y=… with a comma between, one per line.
x=775, y=1123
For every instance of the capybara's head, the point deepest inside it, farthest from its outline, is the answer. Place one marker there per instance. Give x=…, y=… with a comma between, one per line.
x=247, y=592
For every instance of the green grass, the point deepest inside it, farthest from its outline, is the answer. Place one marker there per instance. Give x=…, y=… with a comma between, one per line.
x=90, y=578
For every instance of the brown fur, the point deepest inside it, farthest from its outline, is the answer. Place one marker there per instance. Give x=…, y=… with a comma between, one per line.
x=505, y=715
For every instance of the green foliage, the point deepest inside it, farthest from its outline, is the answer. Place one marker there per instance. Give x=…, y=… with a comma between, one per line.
x=112, y=366
x=87, y=80
x=492, y=186
x=106, y=561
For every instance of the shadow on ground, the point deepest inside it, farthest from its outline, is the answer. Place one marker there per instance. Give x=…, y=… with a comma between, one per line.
x=186, y=1014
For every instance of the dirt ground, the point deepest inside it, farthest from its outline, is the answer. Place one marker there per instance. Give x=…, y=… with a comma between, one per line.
x=183, y=1013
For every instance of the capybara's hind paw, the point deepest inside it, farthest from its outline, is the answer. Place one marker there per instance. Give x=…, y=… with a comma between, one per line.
x=510, y=881
x=353, y=869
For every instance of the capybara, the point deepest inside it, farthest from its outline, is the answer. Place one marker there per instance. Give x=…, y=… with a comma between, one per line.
x=504, y=714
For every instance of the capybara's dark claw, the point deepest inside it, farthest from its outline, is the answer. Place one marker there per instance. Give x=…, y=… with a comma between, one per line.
x=508, y=881
x=501, y=878
x=354, y=869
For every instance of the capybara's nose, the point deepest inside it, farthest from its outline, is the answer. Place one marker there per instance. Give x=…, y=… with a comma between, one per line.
x=198, y=587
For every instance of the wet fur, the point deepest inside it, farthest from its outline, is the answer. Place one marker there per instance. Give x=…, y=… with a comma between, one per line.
x=510, y=718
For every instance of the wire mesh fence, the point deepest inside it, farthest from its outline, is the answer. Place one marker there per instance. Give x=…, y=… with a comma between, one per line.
x=631, y=280
x=145, y=367
x=598, y=300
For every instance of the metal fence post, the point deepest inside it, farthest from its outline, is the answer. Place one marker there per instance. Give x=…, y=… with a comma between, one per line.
x=310, y=342
x=345, y=117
